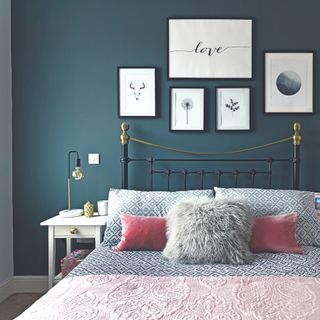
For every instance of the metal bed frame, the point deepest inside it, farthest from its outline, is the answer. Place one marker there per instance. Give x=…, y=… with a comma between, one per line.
x=294, y=161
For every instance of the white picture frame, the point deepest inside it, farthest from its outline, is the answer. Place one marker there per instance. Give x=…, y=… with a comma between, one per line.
x=209, y=48
x=136, y=92
x=233, y=109
x=288, y=82
x=187, y=109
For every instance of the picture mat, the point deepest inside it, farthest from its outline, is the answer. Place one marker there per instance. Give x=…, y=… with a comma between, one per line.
x=129, y=106
x=226, y=118
x=300, y=63
x=195, y=115
x=233, y=35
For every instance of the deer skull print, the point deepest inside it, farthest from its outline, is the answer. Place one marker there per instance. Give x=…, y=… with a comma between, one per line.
x=137, y=89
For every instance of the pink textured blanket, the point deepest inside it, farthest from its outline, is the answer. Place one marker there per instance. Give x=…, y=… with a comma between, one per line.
x=210, y=298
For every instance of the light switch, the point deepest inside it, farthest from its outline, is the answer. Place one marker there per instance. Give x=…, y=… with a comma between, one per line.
x=94, y=158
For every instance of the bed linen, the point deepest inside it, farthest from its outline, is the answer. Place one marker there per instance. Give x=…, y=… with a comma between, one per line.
x=143, y=285
x=155, y=298
x=104, y=260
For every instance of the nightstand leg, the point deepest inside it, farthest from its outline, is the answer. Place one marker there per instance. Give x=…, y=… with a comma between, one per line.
x=68, y=241
x=98, y=237
x=51, y=256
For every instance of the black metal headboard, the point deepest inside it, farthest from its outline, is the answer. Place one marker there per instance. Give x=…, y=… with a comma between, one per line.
x=266, y=163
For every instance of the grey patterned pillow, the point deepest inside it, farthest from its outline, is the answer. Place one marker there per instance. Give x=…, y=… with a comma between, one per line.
x=142, y=203
x=209, y=231
x=274, y=202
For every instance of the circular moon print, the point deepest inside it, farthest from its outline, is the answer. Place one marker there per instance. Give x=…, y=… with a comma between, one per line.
x=288, y=83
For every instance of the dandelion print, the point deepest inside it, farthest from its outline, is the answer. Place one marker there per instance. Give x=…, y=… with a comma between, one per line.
x=187, y=104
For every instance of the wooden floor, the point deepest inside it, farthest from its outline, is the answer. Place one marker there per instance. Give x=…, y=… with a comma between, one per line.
x=16, y=304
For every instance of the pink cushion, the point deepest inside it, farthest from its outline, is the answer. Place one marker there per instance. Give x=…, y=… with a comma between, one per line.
x=275, y=234
x=142, y=233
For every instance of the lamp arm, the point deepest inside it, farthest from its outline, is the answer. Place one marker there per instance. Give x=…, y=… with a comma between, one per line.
x=69, y=188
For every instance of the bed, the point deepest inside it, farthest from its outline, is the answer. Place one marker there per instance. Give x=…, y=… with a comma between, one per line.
x=145, y=285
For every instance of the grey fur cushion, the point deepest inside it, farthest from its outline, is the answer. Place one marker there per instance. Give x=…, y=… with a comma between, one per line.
x=204, y=230
x=142, y=203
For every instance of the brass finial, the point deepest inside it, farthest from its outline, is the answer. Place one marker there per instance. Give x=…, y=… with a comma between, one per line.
x=124, y=136
x=296, y=137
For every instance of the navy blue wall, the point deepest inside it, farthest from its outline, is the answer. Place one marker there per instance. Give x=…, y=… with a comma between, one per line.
x=65, y=57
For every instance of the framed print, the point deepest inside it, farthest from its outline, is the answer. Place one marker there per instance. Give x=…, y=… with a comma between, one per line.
x=233, y=109
x=288, y=82
x=136, y=92
x=209, y=48
x=186, y=109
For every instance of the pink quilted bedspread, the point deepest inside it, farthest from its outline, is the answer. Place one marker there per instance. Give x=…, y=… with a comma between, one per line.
x=141, y=297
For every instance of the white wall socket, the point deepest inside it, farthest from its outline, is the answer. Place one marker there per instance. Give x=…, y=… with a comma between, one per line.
x=94, y=158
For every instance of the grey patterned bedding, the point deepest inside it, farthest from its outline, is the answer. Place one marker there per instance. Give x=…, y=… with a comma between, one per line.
x=104, y=260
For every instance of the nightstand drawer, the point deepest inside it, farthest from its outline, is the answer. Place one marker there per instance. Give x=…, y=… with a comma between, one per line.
x=76, y=231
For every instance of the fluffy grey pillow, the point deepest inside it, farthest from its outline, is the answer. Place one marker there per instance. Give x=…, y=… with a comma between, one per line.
x=205, y=230
x=141, y=203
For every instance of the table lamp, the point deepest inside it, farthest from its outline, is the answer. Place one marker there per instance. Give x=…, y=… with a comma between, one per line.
x=77, y=174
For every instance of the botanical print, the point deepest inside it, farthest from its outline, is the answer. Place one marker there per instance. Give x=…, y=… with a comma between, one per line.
x=210, y=48
x=187, y=104
x=233, y=105
x=233, y=109
x=187, y=109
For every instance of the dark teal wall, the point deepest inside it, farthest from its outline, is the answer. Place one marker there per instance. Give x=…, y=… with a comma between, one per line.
x=65, y=56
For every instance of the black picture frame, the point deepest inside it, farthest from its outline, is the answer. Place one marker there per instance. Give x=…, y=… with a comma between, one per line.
x=121, y=113
x=244, y=99
x=266, y=79
x=171, y=108
x=170, y=77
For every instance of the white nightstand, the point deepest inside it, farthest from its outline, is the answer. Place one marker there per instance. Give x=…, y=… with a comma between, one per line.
x=71, y=228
